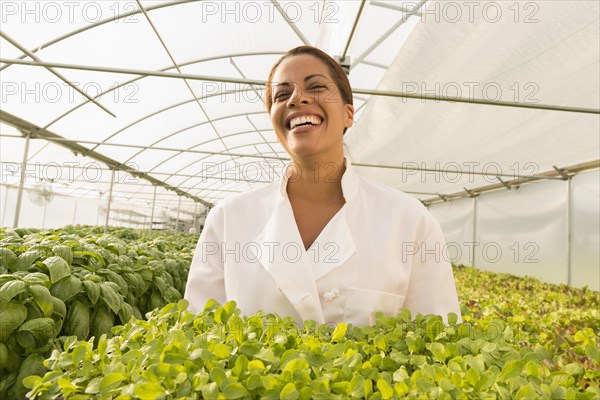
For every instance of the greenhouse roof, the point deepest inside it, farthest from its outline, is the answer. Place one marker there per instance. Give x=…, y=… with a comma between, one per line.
x=165, y=97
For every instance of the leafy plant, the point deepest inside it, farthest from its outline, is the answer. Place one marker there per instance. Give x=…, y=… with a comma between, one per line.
x=80, y=282
x=218, y=354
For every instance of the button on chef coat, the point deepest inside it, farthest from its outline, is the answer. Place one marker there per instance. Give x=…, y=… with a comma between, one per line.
x=382, y=251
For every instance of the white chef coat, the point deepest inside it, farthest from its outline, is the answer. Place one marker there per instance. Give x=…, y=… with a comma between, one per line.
x=382, y=251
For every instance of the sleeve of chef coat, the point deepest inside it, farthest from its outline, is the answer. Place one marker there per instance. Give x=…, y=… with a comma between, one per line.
x=431, y=289
x=206, y=279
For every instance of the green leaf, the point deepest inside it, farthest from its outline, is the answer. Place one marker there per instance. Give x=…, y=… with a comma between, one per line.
x=357, y=387
x=385, y=389
x=511, y=369
x=526, y=392
x=289, y=392
x=36, y=332
x=27, y=259
x=210, y=391
x=111, y=298
x=42, y=298
x=63, y=252
x=149, y=391
x=111, y=382
x=439, y=352
x=10, y=290
x=12, y=315
x=78, y=320
x=92, y=289
x=66, y=288
x=221, y=351
x=7, y=258
x=235, y=391
x=574, y=369
x=339, y=332
x=58, y=268
x=266, y=355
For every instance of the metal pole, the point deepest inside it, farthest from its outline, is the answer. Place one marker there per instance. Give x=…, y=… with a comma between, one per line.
x=474, y=231
x=4, y=208
x=44, y=216
x=110, y=190
x=152, y=211
x=178, y=210
x=74, y=212
x=22, y=181
x=569, y=231
x=372, y=92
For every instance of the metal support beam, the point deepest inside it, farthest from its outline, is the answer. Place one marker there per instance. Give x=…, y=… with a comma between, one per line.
x=473, y=252
x=110, y=191
x=569, y=232
x=552, y=174
x=505, y=184
x=343, y=57
x=290, y=23
x=177, y=220
x=22, y=180
x=52, y=71
x=561, y=172
x=26, y=126
x=74, y=212
x=152, y=211
x=383, y=37
x=370, y=92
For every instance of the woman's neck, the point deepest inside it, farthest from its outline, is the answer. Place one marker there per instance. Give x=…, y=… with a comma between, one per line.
x=317, y=180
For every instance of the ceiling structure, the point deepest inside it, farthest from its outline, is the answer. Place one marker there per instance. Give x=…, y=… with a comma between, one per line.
x=162, y=101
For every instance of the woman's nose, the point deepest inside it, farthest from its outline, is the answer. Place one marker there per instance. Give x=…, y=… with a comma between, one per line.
x=297, y=97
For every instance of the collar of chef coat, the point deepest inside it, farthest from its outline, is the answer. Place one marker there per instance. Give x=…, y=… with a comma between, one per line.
x=282, y=254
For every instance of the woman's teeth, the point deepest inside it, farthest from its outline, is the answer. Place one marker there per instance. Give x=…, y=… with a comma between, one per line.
x=306, y=119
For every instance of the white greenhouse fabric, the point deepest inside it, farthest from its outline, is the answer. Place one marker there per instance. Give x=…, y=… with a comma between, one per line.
x=549, y=56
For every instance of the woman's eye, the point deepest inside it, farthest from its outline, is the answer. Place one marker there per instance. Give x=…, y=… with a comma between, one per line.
x=318, y=86
x=280, y=95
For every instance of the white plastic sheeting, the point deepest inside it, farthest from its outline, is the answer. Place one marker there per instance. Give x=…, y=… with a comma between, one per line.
x=527, y=52
x=535, y=230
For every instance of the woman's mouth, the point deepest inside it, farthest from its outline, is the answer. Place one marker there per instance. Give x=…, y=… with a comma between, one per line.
x=304, y=121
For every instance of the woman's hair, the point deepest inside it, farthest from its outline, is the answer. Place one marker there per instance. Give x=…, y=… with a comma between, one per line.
x=337, y=73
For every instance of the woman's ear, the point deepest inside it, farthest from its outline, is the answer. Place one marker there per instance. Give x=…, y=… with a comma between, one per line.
x=349, y=119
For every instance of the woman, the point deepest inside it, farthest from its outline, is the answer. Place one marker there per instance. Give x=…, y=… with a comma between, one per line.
x=323, y=244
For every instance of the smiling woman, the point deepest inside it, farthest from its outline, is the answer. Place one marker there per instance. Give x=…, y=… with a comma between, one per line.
x=323, y=243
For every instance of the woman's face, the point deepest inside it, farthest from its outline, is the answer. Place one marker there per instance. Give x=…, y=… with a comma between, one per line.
x=308, y=114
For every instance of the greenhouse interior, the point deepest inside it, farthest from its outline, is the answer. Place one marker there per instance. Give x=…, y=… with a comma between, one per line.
x=123, y=123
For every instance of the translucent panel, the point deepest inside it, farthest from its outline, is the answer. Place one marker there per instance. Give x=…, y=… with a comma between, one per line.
x=130, y=103
x=154, y=128
x=585, y=228
x=367, y=33
x=524, y=231
x=228, y=126
x=37, y=93
x=365, y=76
x=382, y=54
x=222, y=21
x=150, y=159
x=8, y=50
x=456, y=220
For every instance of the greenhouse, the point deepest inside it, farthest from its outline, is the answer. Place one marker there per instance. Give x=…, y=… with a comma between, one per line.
x=124, y=123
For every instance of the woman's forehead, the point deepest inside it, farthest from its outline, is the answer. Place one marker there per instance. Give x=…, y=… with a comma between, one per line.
x=299, y=68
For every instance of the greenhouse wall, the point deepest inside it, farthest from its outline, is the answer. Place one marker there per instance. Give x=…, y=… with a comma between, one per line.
x=549, y=230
